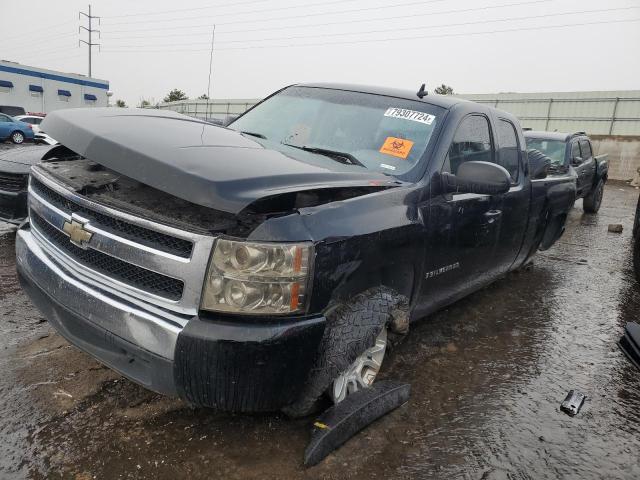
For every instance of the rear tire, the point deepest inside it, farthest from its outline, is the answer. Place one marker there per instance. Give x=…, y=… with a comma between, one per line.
x=17, y=137
x=592, y=202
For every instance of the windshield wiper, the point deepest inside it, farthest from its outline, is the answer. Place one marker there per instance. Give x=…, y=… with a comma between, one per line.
x=334, y=154
x=255, y=134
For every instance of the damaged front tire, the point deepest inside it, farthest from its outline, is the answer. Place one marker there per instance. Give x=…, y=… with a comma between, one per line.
x=352, y=348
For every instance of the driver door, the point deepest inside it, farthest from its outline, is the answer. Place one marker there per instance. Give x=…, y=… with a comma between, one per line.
x=464, y=228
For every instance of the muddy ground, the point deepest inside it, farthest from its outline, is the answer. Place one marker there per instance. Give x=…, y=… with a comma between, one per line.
x=488, y=375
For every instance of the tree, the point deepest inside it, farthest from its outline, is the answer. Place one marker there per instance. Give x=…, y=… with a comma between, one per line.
x=444, y=90
x=144, y=103
x=175, y=95
x=204, y=96
x=121, y=103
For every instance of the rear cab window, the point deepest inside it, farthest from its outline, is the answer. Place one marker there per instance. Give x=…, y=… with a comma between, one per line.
x=575, y=150
x=386, y=134
x=585, y=149
x=509, y=151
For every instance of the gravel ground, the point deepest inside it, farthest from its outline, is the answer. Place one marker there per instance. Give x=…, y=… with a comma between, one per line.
x=488, y=375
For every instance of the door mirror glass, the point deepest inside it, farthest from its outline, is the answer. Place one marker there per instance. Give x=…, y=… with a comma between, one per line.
x=483, y=178
x=575, y=161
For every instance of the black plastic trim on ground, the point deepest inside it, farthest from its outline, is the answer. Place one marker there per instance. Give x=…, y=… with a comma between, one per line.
x=342, y=421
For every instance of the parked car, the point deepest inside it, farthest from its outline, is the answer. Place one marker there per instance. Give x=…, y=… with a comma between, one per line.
x=14, y=130
x=261, y=266
x=15, y=164
x=572, y=152
x=32, y=120
x=11, y=110
x=45, y=139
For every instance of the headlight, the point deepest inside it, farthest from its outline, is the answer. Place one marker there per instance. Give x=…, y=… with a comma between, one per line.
x=257, y=278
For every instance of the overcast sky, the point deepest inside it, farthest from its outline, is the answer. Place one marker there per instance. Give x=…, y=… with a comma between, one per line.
x=151, y=46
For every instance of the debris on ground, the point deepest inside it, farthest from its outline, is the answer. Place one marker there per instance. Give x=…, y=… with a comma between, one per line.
x=342, y=421
x=615, y=227
x=573, y=402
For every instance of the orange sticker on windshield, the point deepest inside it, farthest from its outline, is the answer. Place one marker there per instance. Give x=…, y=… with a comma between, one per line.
x=397, y=147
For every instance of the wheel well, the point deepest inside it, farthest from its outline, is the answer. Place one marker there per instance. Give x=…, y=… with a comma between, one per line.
x=398, y=277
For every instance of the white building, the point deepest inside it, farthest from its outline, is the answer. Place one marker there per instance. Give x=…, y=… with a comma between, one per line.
x=41, y=90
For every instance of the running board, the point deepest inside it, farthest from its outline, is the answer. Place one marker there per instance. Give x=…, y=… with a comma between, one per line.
x=342, y=421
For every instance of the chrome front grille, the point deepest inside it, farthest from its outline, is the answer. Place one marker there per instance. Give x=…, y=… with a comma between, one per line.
x=129, y=256
x=144, y=236
x=141, y=278
x=13, y=182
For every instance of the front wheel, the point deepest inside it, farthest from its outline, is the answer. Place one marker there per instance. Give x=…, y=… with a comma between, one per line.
x=17, y=138
x=592, y=202
x=362, y=372
x=352, y=349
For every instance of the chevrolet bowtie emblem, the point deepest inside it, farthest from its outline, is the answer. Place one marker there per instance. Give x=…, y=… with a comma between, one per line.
x=77, y=233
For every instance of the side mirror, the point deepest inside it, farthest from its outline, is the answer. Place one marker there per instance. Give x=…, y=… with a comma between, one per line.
x=575, y=161
x=539, y=164
x=483, y=178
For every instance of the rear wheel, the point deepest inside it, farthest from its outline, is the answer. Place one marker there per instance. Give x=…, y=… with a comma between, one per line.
x=592, y=202
x=17, y=137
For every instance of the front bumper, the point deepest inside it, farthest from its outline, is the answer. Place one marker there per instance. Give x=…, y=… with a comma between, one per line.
x=245, y=367
x=13, y=206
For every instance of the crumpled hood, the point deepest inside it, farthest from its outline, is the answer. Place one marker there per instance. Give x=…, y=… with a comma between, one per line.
x=199, y=162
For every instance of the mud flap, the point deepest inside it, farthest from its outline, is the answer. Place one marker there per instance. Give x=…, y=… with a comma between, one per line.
x=630, y=343
x=342, y=421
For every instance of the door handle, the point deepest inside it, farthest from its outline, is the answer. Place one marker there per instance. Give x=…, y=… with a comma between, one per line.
x=492, y=215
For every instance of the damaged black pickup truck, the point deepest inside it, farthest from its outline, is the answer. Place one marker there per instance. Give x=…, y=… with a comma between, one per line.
x=260, y=266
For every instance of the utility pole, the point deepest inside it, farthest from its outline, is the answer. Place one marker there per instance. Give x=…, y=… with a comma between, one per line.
x=213, y=37
x=90, y=31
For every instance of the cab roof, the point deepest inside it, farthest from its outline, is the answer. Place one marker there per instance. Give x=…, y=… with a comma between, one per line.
x=563, y=137
x=444, y=101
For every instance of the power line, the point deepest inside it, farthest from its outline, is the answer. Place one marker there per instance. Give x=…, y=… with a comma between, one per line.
x=270, y=9
x=234, y=4
x=306, y=15
x=389, y=39
x=341, y=22
x=421, y=27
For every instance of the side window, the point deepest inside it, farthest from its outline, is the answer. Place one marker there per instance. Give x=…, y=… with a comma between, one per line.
x=585, y=148
x=4, y=118
x=575, y=150
x=509, y=153
x=472, y=141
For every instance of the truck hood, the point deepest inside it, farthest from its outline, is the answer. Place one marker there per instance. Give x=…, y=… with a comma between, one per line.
x=199, y=162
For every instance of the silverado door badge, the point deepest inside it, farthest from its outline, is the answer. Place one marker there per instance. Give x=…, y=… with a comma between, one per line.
x=77, y=233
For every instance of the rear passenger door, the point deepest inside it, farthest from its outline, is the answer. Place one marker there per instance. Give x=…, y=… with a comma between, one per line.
x=514, y=204
x=588, y=166
x=579, y=166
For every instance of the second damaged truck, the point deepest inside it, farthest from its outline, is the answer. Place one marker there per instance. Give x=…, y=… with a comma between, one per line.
x=261, y=266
